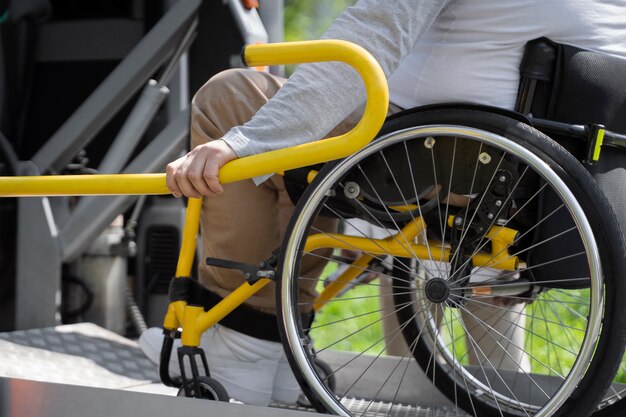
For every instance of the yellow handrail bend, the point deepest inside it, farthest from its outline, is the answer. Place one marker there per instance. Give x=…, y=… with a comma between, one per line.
x=251, y=166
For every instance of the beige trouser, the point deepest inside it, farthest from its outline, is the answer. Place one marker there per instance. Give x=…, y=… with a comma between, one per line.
x=247, y=222
x=495, y=334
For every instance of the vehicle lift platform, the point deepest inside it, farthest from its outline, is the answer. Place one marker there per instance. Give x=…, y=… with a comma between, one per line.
x=83, y=369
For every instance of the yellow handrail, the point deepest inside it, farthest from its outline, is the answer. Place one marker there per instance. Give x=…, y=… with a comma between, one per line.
x=251, y=166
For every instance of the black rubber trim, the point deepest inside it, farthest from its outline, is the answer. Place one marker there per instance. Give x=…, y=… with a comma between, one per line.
x=243, y=55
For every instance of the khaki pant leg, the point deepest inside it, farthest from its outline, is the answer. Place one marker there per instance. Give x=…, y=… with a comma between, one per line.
x=395, y=343
x=247, y=222
x=495, y=332
x=496, y=336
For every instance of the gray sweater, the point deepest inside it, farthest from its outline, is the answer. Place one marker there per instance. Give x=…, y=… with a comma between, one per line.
x=319, y=96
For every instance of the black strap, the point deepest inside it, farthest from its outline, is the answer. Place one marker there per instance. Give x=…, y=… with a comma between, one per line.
x=296, y=181
x=191, y=291
x=243, y=319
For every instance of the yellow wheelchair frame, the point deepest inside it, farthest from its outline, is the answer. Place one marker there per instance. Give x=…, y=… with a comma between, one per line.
x=193, y=319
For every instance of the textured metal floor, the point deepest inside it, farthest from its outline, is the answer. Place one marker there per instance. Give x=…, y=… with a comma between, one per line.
x=79, y=358
x=82, y=354
x=87, y=355
x=367, y=408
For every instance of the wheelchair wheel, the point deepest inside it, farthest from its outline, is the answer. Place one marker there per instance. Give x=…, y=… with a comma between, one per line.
x=489, y=244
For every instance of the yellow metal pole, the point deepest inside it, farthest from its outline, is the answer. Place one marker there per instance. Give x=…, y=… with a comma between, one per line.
x=191, y=337
x=327, y=149
x=228, y=304
x=251, y=166
x=408, y=233
x=498, y=260
x=356, y=268
x=56, y=185
x=190, y=233
x=175, y=311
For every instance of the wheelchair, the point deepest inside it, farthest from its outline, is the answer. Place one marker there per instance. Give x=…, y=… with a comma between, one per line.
x=490, y=245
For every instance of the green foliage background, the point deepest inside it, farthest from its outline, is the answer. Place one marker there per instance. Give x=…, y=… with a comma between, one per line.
x=306, y=19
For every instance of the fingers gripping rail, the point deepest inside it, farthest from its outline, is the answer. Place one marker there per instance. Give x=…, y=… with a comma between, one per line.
x=251, y=166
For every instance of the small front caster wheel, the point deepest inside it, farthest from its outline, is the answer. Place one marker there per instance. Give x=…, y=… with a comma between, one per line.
x=210, y=389
x=326, y=373
x=327, y=376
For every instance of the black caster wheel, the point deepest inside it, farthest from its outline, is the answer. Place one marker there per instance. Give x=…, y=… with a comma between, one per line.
x=326, y=374
x=210, y=389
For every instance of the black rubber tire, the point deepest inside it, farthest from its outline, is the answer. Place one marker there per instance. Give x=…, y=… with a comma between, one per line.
x=609, y=348
x=210, y=389
x=615, y=398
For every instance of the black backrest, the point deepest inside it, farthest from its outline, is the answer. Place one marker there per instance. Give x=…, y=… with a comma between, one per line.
x=573, y=85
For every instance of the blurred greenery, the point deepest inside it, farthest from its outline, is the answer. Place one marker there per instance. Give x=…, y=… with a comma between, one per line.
x=358, y=312
x=556, y=318
x=306, y=19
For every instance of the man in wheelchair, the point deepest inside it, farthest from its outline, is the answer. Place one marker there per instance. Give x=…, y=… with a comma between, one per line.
x=432, y=51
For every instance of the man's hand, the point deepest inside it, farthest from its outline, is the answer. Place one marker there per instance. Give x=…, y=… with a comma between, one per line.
x=196, y=174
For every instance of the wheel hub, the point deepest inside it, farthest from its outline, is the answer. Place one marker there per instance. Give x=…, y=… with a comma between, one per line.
x=437, y=290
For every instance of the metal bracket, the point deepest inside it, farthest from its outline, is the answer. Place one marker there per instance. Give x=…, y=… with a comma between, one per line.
x=190, y=382
x=595, y=136
x=166, y=352
x=251, y=273
x=486, y=210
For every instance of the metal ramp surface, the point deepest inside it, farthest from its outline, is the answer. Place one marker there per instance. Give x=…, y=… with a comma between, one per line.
x=83, y=354
x=72, y=361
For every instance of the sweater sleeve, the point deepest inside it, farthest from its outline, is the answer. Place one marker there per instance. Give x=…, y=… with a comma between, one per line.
x=319, y=96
